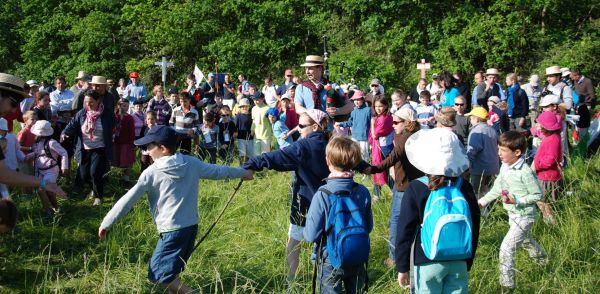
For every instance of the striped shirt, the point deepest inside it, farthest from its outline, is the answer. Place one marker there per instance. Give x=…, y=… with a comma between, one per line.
x=182, y=121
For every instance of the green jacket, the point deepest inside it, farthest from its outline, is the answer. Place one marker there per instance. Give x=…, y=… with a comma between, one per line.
x=522, y=185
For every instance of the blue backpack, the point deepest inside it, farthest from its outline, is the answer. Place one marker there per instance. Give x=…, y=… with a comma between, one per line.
x=446, y=231
x=348, y=242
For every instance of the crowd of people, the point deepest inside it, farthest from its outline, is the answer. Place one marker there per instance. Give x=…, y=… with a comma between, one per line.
x=484, y=143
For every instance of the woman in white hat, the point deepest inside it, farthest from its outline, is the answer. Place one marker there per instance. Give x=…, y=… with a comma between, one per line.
x=11, y=95
x=557, y=87
x=438, y=154
x=45, y=155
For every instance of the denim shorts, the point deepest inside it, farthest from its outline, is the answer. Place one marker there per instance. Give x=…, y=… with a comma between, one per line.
x=171, y=254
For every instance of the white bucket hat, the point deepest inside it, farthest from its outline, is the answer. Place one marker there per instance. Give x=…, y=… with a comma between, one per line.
x=437, y=152
x=42, y=128
x=549, y=99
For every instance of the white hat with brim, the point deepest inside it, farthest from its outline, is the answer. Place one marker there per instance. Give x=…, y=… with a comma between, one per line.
x=32, y=83
x=13, y=84
x=42, y=128
x=549, y=100
x=492, y=72
x=553, y=70
x=98, y=80
x=313, y=60
x=437, y=152
x=565, y=71
x=81, y=75
x=534, y=80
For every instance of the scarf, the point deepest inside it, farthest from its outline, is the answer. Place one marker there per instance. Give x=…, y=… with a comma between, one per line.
x=89, y=125
x=315, y=92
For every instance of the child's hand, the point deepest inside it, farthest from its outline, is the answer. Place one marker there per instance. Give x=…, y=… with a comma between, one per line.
x=480, y=204
x=510, y=200
x=101, y=233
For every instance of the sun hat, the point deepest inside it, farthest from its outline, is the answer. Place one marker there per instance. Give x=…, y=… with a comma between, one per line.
x=13, y=84
x=549, y=99
x=553, y=70
x=272, y=111
x=313, y=60
x=479, y=112
x=317, y=116
x=81, y=75
x=494, y=99
x=98, y=80
x=358, y=94
x=565, y=71
x=134, y=74
x=549, y=121
x=3, y=124
x=534, y=80
x=446, y=116
x=437, y=152
x=42, y=128
x=33, y=83
x=492, y=72
x=244, y=102
x=406, y=113
x=164, y=135
x=285, y=96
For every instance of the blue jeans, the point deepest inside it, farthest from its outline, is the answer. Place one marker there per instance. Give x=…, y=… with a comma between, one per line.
x=394, y=219
x=442, y=277
x=171, y=254
x=333, y=280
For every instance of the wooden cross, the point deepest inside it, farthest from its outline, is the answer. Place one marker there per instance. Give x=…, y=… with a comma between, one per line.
x=164, y=64
x=423, y=66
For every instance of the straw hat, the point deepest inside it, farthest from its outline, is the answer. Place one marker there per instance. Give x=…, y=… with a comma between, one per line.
x=98, y=80
x=81, y=75
x=313, y=60
x=437, y=152
x=553, y=70
x=492, y=71
x=42, y=128
x=479, y=112
x=13, y=84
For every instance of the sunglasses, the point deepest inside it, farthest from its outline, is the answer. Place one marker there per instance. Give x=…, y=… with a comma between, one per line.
x=289, y=76
x=397, y=122
x=304, y=126
x=459, y=104
x=374, y=86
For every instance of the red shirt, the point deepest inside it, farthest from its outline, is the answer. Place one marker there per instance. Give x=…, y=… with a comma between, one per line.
x=26, y=138
x=17, y=114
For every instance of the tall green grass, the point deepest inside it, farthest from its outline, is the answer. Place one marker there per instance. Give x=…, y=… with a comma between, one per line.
x=246, y=251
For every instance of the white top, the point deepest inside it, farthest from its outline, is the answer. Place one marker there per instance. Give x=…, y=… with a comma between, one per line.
x=61, y=100
x=98, y=141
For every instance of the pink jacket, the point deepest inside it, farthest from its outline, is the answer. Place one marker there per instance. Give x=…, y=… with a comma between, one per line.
x=382, y=127
x=42, y=162
x=548, y=158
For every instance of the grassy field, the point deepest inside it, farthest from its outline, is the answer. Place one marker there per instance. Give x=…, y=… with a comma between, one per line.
x=246, y=251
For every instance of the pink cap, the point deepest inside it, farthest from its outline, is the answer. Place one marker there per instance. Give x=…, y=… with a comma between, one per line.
x=317, y=116
x=358, y=94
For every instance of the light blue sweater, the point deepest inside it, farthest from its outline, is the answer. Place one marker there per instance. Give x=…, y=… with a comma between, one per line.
x=172, y=187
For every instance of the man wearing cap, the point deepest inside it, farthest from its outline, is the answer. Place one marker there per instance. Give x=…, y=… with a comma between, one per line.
x=61, y=98
x=135, y=90
x=533, y=90
x=489, y=87
x=311, y=94
x=375, y=92
x=27, y=103
x=11, y=94
x=288, y=76
x=558, y=88
x=81, y=83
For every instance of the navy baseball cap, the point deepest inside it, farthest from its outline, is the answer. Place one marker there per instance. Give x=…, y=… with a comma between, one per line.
x=163, y=135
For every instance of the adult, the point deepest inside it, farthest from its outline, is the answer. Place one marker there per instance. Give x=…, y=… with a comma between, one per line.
x=81, y=83
x=288, y=82
x=269, y=90
x=584, y=88
x=462, y=122
x=477, y=79
x=209, y=90
x=416, y=92
x=27, y=103
x=45, y=86
x=41, y=106
x=534, y=92
x=311, y=94
x=92, y=126
x=11, y=95
x=121, y=89
x=446, y=119
x=100, y=85
x=518, y=103
x=61, y=98
x=464, y=88
x=449, y=89
x=243, y=87
x=228, y=91
x=112, y=89
x=135, y=90
x=405, y=124
x=489, y=87
x=557, y=87
x=375, y=92
x=438, y=154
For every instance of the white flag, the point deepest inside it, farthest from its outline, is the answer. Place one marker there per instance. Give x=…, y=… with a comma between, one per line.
x=199, y=75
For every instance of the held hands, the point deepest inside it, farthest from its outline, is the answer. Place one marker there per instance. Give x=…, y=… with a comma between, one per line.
x=248, y=176
x=404, y=280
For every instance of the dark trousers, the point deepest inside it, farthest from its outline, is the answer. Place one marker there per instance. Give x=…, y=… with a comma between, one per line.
x=93, y=167
x=210, y=153
x=185, y=144
x=226, y=154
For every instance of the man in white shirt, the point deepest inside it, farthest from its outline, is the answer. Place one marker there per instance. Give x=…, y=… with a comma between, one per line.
x=61, y=98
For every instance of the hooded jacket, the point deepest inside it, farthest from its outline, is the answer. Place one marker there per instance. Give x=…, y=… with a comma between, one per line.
x=172, y=187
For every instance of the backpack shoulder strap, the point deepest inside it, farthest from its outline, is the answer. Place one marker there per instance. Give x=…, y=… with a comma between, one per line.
x=424, y=180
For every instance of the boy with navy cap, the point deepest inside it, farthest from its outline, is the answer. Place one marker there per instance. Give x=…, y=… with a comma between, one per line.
x=171, y=184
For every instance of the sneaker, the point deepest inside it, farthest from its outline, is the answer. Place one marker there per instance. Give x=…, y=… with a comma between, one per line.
x=97, y=202
x=389, y=263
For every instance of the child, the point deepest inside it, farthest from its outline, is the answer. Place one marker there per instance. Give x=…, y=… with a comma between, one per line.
x=425, y=111
x=171, y=184
x=227, y=135
x=138, y=118
x=209, y=131
x=261, y=127
x=46, y=153
x=482, y=150
x=498, y=118
x=342, y=155
x=173, y=98
x=547, y=161
x=359, y=123
x=12, y=152
x=160, y=106
x=185, y=120
x=26, y=140
x=280, y=130
x=382, y=141
x=288, y=113
x=243, y=123
x=519, y=190
x=145, y=159
x=41, y=106
x=123, y=149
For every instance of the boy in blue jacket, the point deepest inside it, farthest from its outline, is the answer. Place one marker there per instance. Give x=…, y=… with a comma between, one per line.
x=342, y=155
x=360, y=123
x=171, y=183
